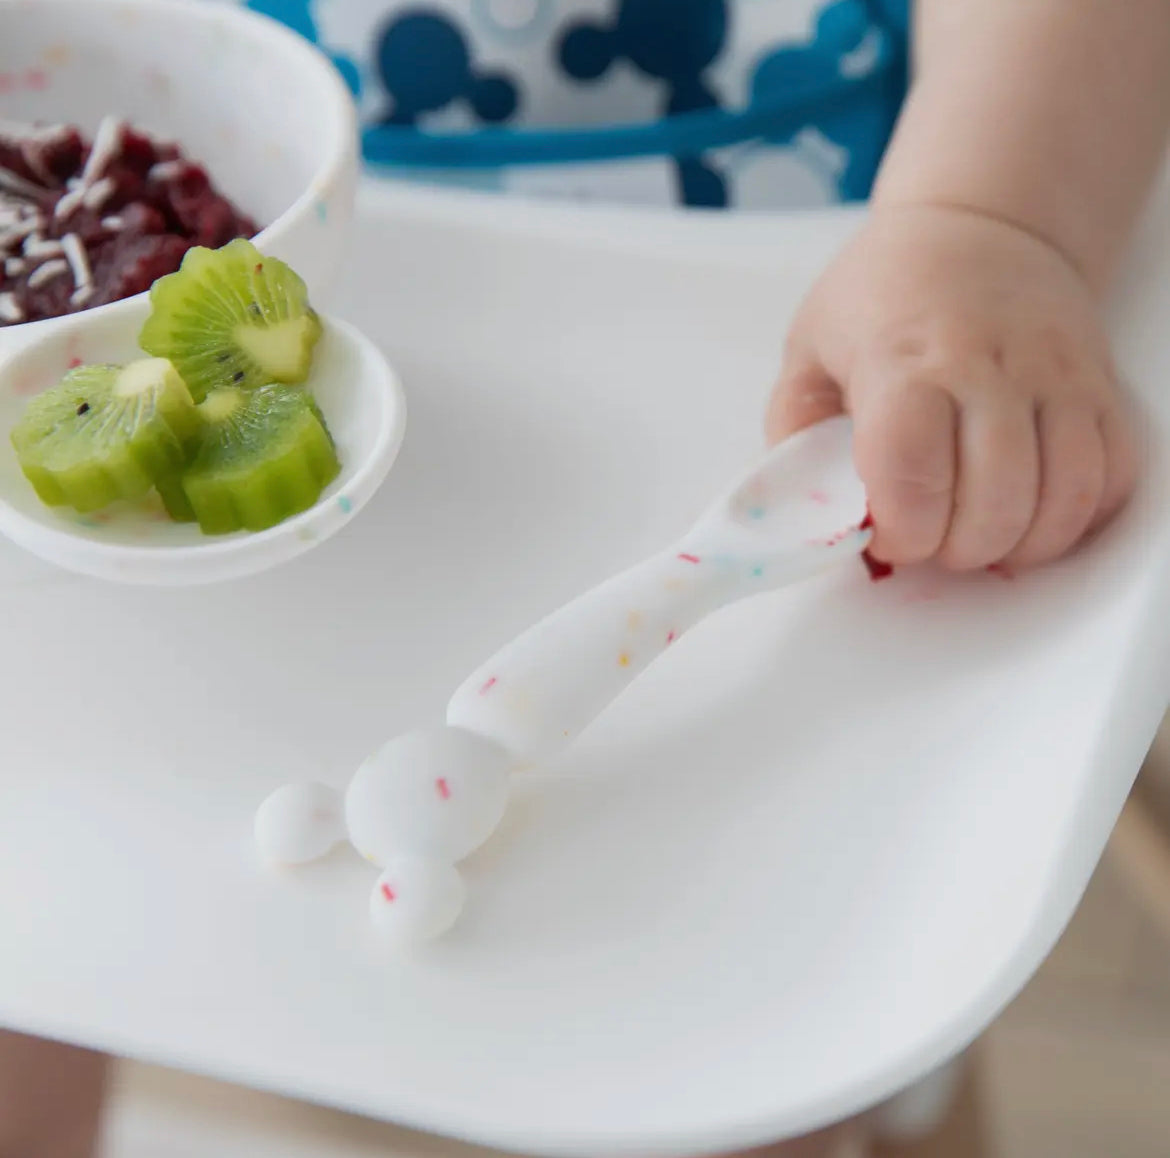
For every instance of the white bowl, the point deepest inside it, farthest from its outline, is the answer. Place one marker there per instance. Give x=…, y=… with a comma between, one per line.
x=356, y=389
x=264, y=111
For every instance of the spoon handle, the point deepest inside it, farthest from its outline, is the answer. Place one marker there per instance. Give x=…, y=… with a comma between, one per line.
x=542, y=689
x=790, y=517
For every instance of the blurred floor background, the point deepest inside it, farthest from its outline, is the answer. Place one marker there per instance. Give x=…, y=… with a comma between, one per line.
x=1078, y=1067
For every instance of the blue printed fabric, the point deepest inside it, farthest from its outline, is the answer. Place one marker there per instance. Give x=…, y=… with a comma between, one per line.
x=707, y=103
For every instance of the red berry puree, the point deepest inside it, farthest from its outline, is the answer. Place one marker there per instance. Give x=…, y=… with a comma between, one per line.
x=876, y=568
x=86, y=223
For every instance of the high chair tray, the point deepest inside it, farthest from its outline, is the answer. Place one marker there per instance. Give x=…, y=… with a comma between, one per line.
x=809, y=855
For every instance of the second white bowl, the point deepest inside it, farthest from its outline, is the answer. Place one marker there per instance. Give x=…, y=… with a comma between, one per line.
x=357, y=391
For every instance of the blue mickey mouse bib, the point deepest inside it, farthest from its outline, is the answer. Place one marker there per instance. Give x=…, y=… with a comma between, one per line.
x=749, y=104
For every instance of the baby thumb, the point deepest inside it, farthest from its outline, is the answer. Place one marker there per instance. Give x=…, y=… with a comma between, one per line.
x=804, y=396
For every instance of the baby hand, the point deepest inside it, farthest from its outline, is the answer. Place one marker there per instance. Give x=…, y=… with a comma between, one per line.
x=988, y=426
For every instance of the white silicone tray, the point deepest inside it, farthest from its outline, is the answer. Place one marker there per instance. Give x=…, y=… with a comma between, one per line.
x=807, y=857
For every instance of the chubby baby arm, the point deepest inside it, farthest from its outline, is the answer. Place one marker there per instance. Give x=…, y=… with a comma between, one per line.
x=961, y=327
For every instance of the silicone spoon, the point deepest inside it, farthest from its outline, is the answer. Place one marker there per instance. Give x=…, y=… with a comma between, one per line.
x=354, y=386
x=428, y=799
x=794, y=514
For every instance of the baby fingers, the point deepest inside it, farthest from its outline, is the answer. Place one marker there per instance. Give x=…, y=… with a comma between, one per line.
x=1072, y=482
x=997, y=480
x=905, y=450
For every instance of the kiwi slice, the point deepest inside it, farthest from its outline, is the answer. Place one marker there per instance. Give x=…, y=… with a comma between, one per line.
x=263, y=455
x=174, y=498
x=232, y=317
x=106, y=433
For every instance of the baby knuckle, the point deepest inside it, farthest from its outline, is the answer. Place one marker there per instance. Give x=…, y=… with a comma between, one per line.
x=917, y=471
x=1059, y=352
x=939, y=355
x=913, y=486
x=1052, y=357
